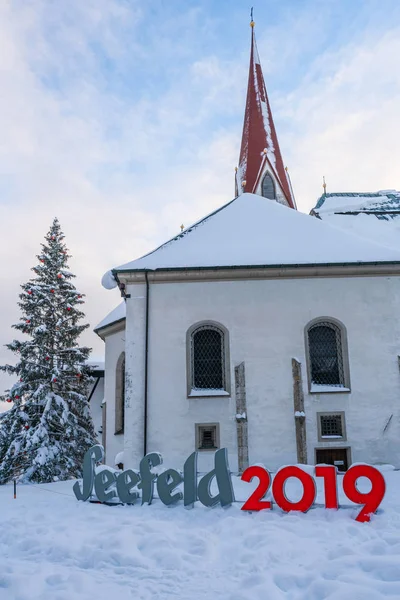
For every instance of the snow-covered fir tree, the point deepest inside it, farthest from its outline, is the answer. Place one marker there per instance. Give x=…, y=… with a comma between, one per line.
x=46, y=432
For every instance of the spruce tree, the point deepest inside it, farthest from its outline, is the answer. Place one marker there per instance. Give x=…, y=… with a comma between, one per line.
x=46, y=432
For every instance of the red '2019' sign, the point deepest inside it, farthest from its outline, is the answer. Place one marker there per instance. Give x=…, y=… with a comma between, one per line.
x=370, y=500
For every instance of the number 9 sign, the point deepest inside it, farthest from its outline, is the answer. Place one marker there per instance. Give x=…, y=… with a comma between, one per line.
x=369, y=500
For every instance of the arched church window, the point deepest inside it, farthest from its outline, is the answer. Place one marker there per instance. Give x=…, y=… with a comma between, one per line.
x=120, y=394
x=268, y=187
x=208, y=367
x=327, y=355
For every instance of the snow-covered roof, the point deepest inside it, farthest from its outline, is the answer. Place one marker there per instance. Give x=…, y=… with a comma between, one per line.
x=369, y=226
x=251, y=231
x=374, y=216
x=96, y=365
x=118, y=314
x=386, y=201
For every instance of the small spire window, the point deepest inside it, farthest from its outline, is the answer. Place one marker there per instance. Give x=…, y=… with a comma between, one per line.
x=268, y=187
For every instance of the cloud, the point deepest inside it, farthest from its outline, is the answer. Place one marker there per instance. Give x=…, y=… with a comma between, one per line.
x=344, y=121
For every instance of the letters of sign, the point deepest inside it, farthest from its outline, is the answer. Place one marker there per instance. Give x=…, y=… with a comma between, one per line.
x=111, y=486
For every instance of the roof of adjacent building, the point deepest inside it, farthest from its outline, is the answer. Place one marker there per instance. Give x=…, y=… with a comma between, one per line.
x=385, y=201
x=116, y=315
x=254, y=231
x=96, y=366
x=374, y=216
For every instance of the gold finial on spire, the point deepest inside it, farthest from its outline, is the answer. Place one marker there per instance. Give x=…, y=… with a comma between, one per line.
x=324, y=184
x=182, y=227
x=251, y=17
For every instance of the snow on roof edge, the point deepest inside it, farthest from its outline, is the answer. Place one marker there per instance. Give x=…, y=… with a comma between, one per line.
x=117, y=314
x=173, y=239
x=323, y=203
x=272, y=265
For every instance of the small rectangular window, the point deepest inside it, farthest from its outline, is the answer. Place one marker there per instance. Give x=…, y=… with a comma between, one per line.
x=331, y=426
x=207, y=436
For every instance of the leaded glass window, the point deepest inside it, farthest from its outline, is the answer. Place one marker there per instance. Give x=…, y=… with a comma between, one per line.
x=268, y=187
x=326, y=355
x=207, y=358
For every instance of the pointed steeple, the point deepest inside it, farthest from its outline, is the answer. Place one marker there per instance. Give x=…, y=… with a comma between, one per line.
x=260, y=155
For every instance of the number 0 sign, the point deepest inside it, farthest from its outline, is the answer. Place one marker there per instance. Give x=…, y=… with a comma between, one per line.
x=369, y=500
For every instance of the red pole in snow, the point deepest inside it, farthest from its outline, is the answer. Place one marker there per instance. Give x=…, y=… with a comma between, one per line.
x=15, y=489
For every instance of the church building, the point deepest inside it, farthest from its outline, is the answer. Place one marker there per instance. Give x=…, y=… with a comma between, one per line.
x=260, y=329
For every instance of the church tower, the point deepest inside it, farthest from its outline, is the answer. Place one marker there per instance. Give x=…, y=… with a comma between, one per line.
x=261, y=169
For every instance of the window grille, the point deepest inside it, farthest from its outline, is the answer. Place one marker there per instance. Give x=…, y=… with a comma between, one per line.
x=331, y=425
x=208, y=358
x=326, y=355
x=207, y=437
x=268, y=187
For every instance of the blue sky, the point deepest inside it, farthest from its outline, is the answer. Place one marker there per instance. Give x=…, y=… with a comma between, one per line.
x=124, y=118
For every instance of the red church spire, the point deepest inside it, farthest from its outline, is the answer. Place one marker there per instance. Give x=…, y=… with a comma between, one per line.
x=260, y=152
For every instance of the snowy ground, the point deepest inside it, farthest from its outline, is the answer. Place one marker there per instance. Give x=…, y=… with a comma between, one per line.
x=53, y=547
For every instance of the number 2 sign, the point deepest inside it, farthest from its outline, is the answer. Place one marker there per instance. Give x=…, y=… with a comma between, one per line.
x=369, y=500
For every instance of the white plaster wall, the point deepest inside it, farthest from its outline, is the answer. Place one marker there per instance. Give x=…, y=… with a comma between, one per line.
x=266, y=320
x=96, y=406
x=114, y=345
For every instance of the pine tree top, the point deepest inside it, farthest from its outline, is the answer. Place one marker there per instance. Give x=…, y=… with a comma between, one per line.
x=50, y=318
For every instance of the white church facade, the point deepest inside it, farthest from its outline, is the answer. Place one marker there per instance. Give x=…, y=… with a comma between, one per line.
x=259, y=329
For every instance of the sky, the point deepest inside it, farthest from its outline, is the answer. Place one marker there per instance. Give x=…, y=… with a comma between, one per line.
x=123, y=119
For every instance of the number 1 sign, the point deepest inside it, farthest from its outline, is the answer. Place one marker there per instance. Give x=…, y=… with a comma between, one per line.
x=370, y=500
